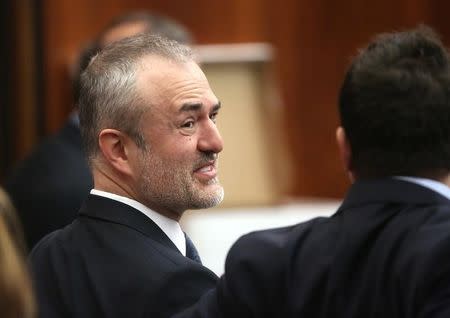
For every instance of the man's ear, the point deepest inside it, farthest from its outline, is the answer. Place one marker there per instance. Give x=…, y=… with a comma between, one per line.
x=114, y=145
x=345, y=151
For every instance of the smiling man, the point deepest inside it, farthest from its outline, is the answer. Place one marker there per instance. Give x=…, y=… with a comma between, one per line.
x=147, y=118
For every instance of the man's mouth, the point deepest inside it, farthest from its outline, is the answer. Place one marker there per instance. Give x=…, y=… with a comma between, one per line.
x=207, y=171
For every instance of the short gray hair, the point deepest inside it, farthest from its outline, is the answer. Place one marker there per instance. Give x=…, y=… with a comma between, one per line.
x=108, y=94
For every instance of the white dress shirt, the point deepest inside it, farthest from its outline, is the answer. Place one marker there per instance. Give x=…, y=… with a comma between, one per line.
x=433, y=185
x=170, y=227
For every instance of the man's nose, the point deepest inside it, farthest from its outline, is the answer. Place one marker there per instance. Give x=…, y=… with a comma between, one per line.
x=210, y=139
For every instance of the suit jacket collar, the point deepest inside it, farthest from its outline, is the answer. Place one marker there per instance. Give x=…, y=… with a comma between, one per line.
x=390, y=190
x=109, y=210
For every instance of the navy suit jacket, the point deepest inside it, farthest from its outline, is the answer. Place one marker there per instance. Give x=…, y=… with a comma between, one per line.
x=113, y=261
x=385, y=253
x=49, y=186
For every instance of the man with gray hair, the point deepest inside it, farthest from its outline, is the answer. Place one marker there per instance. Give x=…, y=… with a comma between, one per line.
x=44, y=200
x=147, y=119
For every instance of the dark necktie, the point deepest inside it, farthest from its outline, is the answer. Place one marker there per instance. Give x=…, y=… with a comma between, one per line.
x=191, y=251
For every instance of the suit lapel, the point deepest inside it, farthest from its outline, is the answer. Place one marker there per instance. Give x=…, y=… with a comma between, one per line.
x=117, y=212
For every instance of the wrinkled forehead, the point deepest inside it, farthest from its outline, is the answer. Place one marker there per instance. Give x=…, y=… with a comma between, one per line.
x=153, y=65
x=161, y=80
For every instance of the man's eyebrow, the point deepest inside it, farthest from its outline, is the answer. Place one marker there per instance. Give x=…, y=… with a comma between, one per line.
x=192, y=107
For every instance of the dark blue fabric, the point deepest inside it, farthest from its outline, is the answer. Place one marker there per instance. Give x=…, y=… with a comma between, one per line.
x=113, y=261
x=49, y=186
x=384, y=254
x=191, y=251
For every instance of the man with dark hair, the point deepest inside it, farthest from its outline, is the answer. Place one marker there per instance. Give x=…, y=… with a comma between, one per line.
x=147, y=119
x=386, y=251
x=50, y=185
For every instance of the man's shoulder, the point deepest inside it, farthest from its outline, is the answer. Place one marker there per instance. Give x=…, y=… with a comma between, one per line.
x=61, y=142
x=257, y=268
x=54, y=157
x=117, y=245
x=131, y=272
x=272, y=247
x=280, y=237
x=432, y=231
x=54, y=242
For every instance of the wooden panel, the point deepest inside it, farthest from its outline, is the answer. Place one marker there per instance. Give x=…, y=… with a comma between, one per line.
x=314, y=47
x=314, y=40
x=20, y=58
x=68, y=24
x=25, y=112
x=439, y=13
x=7, y=36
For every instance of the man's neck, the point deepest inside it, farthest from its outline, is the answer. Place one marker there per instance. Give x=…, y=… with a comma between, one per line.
x=106, y=180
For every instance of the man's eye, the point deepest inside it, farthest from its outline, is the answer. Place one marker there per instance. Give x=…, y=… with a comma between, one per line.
x=188, y=124
x=213, y=117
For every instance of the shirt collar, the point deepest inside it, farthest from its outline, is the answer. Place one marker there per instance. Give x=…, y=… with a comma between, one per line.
x=170, y=227
x=433, y=185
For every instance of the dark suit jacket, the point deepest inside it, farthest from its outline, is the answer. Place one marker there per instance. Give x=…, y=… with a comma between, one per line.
x=113, y=261
x=50, y=185
x=385, y=253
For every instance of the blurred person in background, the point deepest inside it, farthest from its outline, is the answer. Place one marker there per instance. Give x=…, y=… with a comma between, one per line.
x=148, y=125
x=10, y=217
x=386, y=251
x=49, y=186
x=16, y=295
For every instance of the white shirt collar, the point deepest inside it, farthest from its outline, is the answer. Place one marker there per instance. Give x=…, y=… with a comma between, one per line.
x=170, y=227
x=436, y=186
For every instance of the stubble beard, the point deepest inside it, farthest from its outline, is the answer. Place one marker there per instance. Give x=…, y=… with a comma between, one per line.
x=171, y=185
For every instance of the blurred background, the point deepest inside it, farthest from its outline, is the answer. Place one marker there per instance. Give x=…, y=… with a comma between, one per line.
x=276, y=65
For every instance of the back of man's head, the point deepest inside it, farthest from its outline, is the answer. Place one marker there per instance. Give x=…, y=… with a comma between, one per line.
x=395, y=107
x=124, y=25
x=146, y=22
